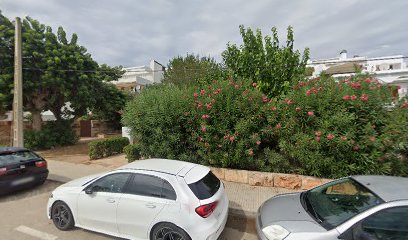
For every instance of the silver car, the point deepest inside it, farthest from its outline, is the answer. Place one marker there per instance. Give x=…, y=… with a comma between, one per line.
x=351, y=208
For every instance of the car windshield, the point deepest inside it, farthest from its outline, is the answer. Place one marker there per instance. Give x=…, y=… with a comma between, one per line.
x=16, y=157
x=334, y=203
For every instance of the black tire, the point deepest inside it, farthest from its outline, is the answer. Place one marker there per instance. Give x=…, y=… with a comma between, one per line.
x=168, y=231
x=62, y=216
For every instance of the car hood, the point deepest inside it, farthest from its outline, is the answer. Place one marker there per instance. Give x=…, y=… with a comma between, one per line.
x=287, y=211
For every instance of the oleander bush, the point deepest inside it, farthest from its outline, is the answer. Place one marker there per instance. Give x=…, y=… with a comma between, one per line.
x=332, y=128
x=322, y=127
x=107, y=147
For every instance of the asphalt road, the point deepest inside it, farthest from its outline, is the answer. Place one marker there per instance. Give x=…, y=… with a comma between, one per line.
x=23, y=217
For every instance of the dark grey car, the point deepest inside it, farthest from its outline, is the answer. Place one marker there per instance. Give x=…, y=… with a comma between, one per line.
x=351, y=208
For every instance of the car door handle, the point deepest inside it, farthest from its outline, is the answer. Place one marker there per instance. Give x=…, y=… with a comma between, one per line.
x=110, y=200
x=150, y=205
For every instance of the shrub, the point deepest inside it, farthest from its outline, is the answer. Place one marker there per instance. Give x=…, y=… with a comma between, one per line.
x=51, y=135
x=228, y=117
x=132, y=152
x=107, y=147
x=333, y=128
x=161, y=123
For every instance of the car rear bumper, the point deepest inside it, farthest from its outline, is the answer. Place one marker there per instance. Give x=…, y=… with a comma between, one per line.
x=22, y=182
x=211, y=231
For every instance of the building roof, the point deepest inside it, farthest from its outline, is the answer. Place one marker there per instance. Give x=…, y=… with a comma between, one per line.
x=343, y=68
x=173, y=167
x=387, y=188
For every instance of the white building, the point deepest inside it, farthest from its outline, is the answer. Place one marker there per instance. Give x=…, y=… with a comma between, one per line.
x=136, y=78
x=391, y=70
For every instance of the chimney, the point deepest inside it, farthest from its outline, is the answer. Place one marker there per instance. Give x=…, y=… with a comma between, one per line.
x=343, y=55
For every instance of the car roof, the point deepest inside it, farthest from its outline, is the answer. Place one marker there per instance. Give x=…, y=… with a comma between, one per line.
x=12, y=149
x=388, y=188
x=168, y=166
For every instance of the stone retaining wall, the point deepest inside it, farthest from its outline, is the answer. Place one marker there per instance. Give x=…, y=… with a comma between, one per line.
x=266, y=179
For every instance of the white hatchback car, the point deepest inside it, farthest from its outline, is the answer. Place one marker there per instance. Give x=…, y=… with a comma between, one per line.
x=154, y=199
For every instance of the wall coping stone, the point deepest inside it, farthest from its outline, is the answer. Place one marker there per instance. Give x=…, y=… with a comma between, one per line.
x=269, y=179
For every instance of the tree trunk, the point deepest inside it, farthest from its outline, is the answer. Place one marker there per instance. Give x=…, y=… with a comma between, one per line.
x=37, y=120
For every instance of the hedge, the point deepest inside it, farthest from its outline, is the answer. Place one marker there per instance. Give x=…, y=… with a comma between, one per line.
x=107, y=147
x=132, y=152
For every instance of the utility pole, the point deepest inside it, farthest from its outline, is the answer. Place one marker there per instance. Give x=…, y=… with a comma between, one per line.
x=18, y=137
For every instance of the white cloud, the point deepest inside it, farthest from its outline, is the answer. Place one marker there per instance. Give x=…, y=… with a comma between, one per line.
x=132, y=32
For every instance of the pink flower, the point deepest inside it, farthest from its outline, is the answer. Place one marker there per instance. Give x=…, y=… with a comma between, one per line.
x=204, y=129
x=265, y=99
x=318, y=134
x=199, y=106
x=215, y=93
x=195, y=95
x=205, y=117
x=356, y=148
x=208, y=106
x=289, y=102
x=202, y=92
x=356, y=85
x=364, y=98
x=278, y=126
x=219, y=90
x=232, y=138
x=251, y=152
x=298, y=109
x=347, y=97
x=310, y=113
x=258, y=142
x=354, y=97
x=226, y=137
x=330, y=136
x=308, y=92
x=207, y=144
x=254, y=84
x=317, y=139
x=274, y=109
x=201, y=139
x=367, y=80
x=344, y=138
x=231, y=83
x=236, y=86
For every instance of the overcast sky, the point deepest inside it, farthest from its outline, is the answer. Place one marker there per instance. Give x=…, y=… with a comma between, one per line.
x=131, y=33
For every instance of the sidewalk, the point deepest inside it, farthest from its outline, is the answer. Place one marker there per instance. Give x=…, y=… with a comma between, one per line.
x=244, y=199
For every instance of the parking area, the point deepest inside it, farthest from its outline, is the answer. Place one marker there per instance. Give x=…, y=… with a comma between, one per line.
x=24, y=218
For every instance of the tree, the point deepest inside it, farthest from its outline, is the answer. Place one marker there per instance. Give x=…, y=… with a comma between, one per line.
x=192, y=69
x=56, y=71
x=262, y=60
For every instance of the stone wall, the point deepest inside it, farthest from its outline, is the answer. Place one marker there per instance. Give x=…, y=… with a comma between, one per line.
x=266, y=179
x=6, y=134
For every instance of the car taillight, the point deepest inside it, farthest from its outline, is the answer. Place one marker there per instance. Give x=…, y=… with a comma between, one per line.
x=41, y=164
x=206, y=210
x=3, y=171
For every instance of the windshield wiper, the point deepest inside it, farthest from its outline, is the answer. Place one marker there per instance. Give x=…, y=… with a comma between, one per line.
x=310, y=208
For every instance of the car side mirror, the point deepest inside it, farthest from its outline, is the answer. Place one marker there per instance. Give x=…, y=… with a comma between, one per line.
x=92, y=189
x=88, y=191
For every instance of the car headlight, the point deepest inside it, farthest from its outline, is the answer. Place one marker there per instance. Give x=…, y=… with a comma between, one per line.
x=275, y=232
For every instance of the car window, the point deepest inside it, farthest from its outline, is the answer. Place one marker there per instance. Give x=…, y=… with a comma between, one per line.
x=16, y=157
x=336, y=202
x=151, y=186
x=389, y=224
x=206, y=187
x=113, y=183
